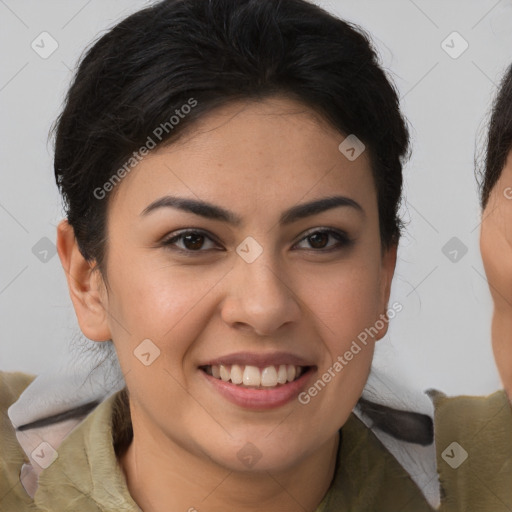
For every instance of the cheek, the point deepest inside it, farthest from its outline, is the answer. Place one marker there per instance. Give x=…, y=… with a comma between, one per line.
x=345, y=307
x=496, y=252
x=166, y=304
x=347, y=301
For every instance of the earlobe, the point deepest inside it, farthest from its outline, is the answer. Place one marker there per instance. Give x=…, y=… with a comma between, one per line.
x=85, y=286
x=388, y=271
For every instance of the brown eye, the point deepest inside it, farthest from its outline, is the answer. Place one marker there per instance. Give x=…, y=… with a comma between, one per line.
x=193, y=241
x=319, y=240
x=190, y=241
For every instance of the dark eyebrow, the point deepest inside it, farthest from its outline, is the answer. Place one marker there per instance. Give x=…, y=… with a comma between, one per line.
x=318, y=206
x=211, y=211
x=202, y=208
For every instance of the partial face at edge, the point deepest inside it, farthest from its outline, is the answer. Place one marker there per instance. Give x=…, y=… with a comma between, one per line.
x=318, y=283
x=496, y=249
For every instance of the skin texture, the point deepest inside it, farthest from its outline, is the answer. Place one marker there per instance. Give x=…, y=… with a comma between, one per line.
x=256, y=159
x=496, y=249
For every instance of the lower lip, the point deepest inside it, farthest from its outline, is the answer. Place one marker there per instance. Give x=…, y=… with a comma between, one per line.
x=261, y=399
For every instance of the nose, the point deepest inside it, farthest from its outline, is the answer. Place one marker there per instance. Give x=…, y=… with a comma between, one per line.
x=260, y=298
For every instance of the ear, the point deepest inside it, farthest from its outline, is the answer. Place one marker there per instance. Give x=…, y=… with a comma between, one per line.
x=86, y=287
x=387, y=272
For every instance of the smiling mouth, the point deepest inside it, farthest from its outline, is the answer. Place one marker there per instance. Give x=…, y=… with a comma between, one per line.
x=249, y=376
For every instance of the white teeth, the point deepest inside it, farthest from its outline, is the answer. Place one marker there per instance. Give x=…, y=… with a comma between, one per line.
x=269, y=376
x=224, y=373
x=237, y=374
x=282, y=374
x=252, y=376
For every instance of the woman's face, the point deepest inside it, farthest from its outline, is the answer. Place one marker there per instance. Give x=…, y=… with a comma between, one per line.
x=246, y=275
x=496, y=249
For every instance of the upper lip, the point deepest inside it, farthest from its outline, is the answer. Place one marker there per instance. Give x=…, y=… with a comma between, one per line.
x=260, y=360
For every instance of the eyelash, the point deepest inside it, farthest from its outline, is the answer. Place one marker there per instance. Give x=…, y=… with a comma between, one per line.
x=343, y=240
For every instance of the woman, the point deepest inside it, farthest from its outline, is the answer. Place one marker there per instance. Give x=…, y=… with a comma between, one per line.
x=231, y=171
x=496, y=227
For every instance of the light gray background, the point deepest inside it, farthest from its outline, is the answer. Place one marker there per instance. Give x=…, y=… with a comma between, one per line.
x=440, y=339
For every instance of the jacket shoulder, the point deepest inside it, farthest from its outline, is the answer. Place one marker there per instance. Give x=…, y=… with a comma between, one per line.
x=12, y=494
x=474, y=451
x=12, y=384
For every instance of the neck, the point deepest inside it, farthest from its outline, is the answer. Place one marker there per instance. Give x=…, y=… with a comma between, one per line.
x=175, y=479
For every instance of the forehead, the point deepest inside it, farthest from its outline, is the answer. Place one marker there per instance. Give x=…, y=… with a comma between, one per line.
x=274, y=151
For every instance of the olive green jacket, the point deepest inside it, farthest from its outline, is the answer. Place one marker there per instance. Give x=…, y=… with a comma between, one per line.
x=86, y=477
